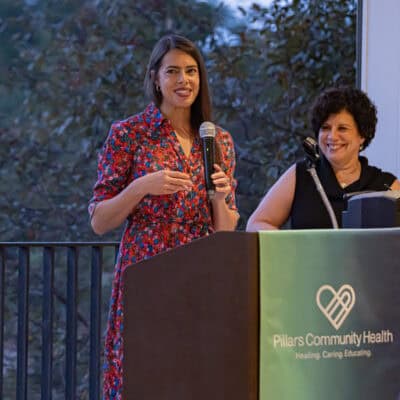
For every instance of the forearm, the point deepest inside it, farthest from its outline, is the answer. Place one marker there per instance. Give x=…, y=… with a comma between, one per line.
x=224, y=218
x=275, y=208
x=395, y=185
x=256, y=226
x=111, y=213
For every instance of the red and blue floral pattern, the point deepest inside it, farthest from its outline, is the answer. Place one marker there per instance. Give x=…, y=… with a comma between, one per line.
x=137, y=146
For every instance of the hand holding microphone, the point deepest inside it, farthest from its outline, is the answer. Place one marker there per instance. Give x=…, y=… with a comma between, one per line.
x=207, y=135
x=221, y=183
x=217, y=183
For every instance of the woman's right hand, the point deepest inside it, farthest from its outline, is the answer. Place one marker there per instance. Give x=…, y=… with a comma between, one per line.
x=164, y=182
x=112, y=212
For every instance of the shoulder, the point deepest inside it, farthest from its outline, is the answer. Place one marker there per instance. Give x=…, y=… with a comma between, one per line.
x=300, y=169
x=365, y=166
x=137, y=121
x=301, y=165
x=224, y=143
x=223, y=136
x=136, y=126
x=289, y=176
x=372, y=173
x=287, y=180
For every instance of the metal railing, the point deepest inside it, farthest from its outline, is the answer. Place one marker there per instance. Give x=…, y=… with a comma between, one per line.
x=52, y=271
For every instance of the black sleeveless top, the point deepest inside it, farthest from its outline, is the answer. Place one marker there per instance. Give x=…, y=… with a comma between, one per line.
x=308, y=210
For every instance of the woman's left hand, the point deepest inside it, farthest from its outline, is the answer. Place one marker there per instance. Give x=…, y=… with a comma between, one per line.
x=221, y=182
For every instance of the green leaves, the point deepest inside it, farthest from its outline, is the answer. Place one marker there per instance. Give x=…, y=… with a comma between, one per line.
x=72, y=67
x=269, y=78
x=68, y=68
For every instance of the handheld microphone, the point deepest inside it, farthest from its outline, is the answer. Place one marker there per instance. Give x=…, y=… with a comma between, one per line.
x=207, y=135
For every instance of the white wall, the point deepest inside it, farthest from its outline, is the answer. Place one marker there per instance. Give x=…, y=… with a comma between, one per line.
x=380, y=78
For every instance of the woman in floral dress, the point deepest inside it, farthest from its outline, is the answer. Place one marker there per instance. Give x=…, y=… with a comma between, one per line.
x=151, y=175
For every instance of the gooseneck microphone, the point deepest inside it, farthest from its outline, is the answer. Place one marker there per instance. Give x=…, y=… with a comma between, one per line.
x=207, y=135
x=311, y=149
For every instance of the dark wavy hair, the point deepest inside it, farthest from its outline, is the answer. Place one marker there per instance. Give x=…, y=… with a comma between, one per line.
x=201, y=108
x=352, y=100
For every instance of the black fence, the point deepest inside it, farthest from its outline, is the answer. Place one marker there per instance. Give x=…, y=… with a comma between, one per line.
x=53, y=310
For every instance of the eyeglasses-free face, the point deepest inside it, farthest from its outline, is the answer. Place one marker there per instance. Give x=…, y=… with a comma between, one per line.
x=178, y=79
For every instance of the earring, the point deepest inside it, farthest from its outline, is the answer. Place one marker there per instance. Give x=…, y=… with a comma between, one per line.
x=158, y=89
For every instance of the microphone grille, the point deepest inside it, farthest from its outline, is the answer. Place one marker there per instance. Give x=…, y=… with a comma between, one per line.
x=207, y=129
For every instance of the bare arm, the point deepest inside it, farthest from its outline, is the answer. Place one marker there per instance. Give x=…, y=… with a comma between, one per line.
x=111, y=213
x=395, y=185
x=225, y=219
x=274, y=209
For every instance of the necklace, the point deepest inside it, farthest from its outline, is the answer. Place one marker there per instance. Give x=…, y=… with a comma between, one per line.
x=350, y=177
x=185, y=138
x=343, y=184
x=185, y=133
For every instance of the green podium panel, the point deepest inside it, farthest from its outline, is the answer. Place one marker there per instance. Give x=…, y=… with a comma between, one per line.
x=330, y=315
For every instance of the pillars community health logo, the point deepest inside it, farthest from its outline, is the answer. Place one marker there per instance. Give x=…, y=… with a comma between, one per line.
x=336, y=305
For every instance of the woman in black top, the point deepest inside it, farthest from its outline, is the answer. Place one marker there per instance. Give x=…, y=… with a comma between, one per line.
x=344, y=121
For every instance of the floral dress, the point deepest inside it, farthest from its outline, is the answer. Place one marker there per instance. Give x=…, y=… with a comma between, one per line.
x=137, y=146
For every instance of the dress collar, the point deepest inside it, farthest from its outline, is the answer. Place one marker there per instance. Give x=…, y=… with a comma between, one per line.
x=154, y=115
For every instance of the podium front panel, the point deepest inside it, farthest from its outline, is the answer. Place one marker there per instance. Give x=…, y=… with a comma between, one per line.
x=330, y=315
x=191, y=322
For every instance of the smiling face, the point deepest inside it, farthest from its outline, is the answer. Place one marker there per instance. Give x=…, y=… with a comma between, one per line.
x=339, y=139
x=179, y=80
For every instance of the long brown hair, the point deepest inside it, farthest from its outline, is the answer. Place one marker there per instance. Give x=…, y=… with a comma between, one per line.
x=201, y=109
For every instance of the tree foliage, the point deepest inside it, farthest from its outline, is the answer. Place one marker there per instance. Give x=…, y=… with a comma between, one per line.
x=69, y=68
x=76, y=66
x=269, y=76
x=80, y=65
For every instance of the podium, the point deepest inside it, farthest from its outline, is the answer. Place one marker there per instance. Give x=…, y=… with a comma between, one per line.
x=191, y=322
x=276, y=315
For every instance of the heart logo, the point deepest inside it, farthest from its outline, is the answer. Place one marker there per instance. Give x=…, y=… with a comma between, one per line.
x=336, y=306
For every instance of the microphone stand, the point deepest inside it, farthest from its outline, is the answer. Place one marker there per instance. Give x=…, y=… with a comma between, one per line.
x=311, y=149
